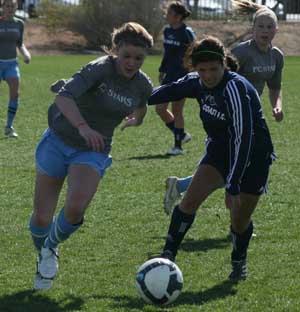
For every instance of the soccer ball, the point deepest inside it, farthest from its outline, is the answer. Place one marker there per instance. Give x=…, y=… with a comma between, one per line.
x=159, y=281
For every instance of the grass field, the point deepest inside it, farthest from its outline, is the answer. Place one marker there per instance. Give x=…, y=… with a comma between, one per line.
x=125, y=221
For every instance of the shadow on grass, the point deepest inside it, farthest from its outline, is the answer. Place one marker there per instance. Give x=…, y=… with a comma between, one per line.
x=220, y=291
x=146, y=157
x=205, y=244
x=30, y=300
x=217, y=292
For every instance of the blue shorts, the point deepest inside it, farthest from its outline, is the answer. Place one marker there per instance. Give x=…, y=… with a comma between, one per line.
x=53, y=157
x=255, y=178
x=9, y=69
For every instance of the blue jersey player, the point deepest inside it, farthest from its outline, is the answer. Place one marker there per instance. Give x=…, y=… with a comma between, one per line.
x=261, y=63
x=238, y=153
x=11, y=40
x=177, y=37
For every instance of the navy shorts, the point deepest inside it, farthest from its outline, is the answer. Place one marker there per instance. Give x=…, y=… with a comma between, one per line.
x=255, y=178
x=53, y=157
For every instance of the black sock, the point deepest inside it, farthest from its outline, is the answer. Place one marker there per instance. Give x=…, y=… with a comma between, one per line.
x=178, y=133
x=240, y=243
x=180, y=224
x=171, y=125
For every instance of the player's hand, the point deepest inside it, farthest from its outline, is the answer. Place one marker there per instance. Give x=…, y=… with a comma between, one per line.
x=277, y=114
x=129, y=121
x=92, y=138
x=27, y=59
x=161, y=77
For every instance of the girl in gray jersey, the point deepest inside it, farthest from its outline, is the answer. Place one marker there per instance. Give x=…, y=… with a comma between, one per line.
x=260, y=63
x=11, y=39
x=85, y=113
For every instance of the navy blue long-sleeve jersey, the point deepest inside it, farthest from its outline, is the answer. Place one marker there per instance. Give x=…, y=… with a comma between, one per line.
x=231, y=114
x=176, y=42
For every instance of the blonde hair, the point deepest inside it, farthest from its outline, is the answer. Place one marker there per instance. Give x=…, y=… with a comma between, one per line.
x=131, y=33
x=246, y=7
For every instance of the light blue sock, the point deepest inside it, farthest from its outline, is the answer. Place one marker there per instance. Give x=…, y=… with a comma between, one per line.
x=60, y=231
x=11, y=112
x=183, y=184
x=39, y=234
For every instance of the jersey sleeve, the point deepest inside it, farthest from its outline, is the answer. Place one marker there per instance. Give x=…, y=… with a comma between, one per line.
x=175, y=91
x=240, y=130
x=83, y=80
x=190, y=35
x=275, y=82
x=241, y=54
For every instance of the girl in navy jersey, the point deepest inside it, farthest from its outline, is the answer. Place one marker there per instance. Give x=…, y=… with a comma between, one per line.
x=238, y=148
x=177, y=37
x=76, y=146
x=11, y=40
x=260, y=62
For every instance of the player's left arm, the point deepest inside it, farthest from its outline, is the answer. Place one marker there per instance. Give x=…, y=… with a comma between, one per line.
x=25, y=53
x=275, y=96
x=241, y=131
x=274, y=85
x=21, y=46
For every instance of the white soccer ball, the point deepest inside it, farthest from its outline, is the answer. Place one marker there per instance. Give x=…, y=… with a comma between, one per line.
x=159, y=281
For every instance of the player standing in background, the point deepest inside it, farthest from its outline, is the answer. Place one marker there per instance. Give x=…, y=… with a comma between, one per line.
x=177, y=37
x=82, y=120
x=239, y=149
x=11, y=39
x=260, y=62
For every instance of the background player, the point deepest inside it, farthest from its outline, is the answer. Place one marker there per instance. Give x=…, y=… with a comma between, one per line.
x=11, y=40
x=177, y=37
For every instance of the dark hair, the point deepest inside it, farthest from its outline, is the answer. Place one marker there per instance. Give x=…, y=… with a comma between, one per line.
x=131, y=33
x=179, y=9
x=206, y=50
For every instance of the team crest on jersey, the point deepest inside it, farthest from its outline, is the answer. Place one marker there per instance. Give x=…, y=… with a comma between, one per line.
x=210, y=100
x=103, y=87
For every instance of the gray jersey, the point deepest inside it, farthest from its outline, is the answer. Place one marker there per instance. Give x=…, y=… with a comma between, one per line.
x=260, y=67
x=11, y=37
x=104, y=99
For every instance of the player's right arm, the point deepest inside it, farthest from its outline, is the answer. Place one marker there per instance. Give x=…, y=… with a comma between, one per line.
x=80, y=83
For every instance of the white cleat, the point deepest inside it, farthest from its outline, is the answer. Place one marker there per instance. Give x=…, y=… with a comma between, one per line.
x=175, y=151
x=10, y=132
x=49, y=263
x=41, y=283
x=187, y=138
x=172, y=195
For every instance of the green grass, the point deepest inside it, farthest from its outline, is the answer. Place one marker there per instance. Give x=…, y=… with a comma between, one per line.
x=125, y=221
